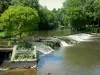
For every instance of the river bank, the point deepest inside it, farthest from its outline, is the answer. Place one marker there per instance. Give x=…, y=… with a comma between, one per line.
x=96, y=34
x=19, y=72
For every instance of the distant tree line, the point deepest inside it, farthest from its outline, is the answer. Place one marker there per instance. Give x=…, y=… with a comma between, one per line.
x=82, y=15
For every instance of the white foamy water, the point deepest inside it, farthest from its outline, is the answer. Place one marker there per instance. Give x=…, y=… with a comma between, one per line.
x=63, y=43
x=3, y=69
x=80, y=37
x=43, y=48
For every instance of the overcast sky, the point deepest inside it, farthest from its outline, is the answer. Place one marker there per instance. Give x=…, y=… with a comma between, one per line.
x=52, y=3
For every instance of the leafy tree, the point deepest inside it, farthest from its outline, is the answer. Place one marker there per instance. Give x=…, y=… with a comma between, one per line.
x=75, y=14
x=17, y=20
x=29, y=3
x=97, y=11
x=61, y=14
x=54, y=10
x=80, y=13
x=48, y=19
x=92, y=10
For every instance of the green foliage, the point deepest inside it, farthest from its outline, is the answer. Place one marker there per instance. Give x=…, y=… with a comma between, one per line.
x=75, y=14
x=24, y=46
x=52, y=44
x=4, y=4
x=24, y=56
x=54, y=10
x=79, y=13
x=18, y=19
x=29, y=3
x=92, y=10
x=2, y=34
x=61, y=14
x=27, y=15
x=48, y=19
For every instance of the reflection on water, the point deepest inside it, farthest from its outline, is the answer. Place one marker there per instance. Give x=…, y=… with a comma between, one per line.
x=80, y=59
x=63, y=32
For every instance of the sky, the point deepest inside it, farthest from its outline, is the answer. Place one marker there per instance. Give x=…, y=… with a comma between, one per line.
x=52, y=3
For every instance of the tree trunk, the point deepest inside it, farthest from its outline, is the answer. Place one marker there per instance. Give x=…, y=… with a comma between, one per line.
x=20, y=34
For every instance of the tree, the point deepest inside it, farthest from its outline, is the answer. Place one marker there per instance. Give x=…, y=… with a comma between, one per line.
x=75, y=14
x=17, y=20
x=92, y=10
x=80, y=13
x=29, y=3
x=97, y=11
x=61, y=14
x=54, y=10
x=48, y=19
x=4, y=4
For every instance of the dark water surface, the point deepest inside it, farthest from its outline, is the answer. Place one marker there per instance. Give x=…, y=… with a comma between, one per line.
x=81, y=59
x=58, y=32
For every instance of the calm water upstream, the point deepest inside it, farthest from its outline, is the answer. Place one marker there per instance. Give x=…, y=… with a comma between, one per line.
x=81, y=59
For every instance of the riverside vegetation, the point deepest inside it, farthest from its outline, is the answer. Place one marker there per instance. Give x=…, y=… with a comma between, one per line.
x=20, y=18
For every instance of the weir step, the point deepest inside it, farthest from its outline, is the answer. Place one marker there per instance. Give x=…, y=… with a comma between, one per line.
x=6, y=46
x=3, y=42
x=22, y=64
x=6, y=49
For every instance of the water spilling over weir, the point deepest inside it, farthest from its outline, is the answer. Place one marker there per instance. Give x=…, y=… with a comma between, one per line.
x=72, y=50
x=63, y=41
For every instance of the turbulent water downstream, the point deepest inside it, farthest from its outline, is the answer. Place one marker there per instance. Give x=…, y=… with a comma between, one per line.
x=83, y=58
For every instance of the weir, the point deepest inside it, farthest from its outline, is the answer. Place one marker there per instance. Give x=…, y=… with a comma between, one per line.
x=64, y=41
x=42, y=48
x=10, y=53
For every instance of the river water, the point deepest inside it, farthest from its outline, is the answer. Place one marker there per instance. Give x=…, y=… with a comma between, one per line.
x=80, y=59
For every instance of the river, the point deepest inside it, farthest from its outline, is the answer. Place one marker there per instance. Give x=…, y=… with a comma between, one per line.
x=80, y=59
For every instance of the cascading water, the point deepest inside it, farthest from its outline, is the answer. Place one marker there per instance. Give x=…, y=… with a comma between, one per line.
x=56, y=39
x=43, y=48
x=79, y=37
x=63, y=43
x=71, y=39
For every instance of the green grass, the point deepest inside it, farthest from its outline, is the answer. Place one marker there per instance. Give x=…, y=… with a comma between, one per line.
x=2, y=34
